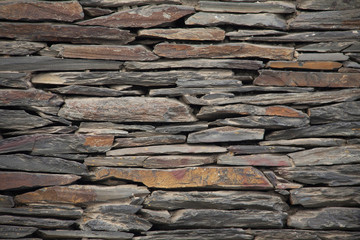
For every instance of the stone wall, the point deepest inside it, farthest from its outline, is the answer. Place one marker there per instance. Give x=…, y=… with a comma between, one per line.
x=180, y=119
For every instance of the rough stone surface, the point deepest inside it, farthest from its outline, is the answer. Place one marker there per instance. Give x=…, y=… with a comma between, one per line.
x=19, y=48
x=77, y=234
x=192, y=34
x=148, y=141
x=271, y=160
x=306, y=142
x=347, y=111
x=245, y=7
x=15, y=80
x=6, y=201
x=20, y=120
x=8, y=231
x=254, y=149
x=54, y=211
x=117, y=3
x=313, y=65
x=125, y=161
x=328, y=4
x=177, y=161
x=322, y=56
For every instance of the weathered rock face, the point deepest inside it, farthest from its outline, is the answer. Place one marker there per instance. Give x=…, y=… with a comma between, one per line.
x=193, y=34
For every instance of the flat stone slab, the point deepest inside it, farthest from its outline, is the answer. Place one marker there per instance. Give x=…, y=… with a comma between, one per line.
x=54, y=211
x=226, y=200
x=179, y=128
x=227, y=50
x=45, y=223
x=206, y=177
x=246, y=7
x=255, y=149
x=177, y=161
x=326, y=197
x=192, y=34
x=15, y=80
x=306, y=142
x=328, y=4
x=337, y=218
x=322, y=57
x=325, y=47
x=121, y=161
x=116, y=3
x=8, y=231
x=312, y=65
x=6, y=201
x=143, y=109
x=347, y=111
x=20, y=120
x=142, y=17
x=19, y=48
x=77, y=234
x=149, y=140
x=270, y=160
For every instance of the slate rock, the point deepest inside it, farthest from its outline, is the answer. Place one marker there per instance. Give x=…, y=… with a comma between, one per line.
x=148, y=141
x=313, y=65
x=93, y=127
x=124, y=161
x=44, y=223
x=354, y=48
x=17, y=144
x=44, y=130
x=15, y=80
x=327, y=4
x=20, y=120
x=6, y=201
x=64, y=33
x=94, y=91
x=342, y=175
x=324, y=47
x=142, y=17
x=191, y=34
x=81, y=194
x=326, y=197
x=270, y=160
x=281, y=184
x=7, y=231
x=262, y=20
x=226, y=200
x=77, y=234
x=113, y=208
x=225, y=134
x=155, y=216
x=117, y=3
x=24, y=180
x=177, y=161
x=327, y=156
x=178, y=128
x=306, y=142
x=216, y=177
x=96, y=11
x=202, y=218
x=327, y=218
x=255, y=149
x=167, y=149
x=19, y=48
x=143, y=109
x=322, y=57
x=248, y=34
x=54, y=211
x=22, y=162
x=245, y=7
x=227, y=50
x=307, y=79
x=347, y=111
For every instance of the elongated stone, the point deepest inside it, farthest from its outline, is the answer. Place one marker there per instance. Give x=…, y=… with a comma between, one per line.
x=17, y=144
x=125, y=161
x=187, y=83
x=306, y=142
x=326, y=218
x=313, y=65
x=327, y=156
x=45, y=223
x=192, y=34
x=148, y=141
x=248, y=34
x=142, y=17
x=228, y=178
x=177, y=128
x=354, y=48
x=20, y=120
x=326, y=197
x=223, y=218
x=41, y=63
x=105, y=52
x=267, y=122
x=9, y=232
x=328, y=4
x=54, y=211
x=226, y=200
x=255, y=149
x=347, y=111
x=263, y=20
x=81, y=194
x=96, y=11
x=155, y=216
x=342, y=175
x=211, y=112
x=143, y=109
x=20, y=48
x=225, y=134
x=244, y=7
x=94, y=91
x=334, y=20
x=281, y=183
x=177, y=161
x=338, y=129
x=22, y=162
x=322, y=57
x=44, y=130
x=77, y=234
x=23, y=180
x=6, y=201
x=117, y=3
x=325, y=47
x=307, y=79
x=227, y=50
x=198, y=63
x=271, y=160
x=64, y=33
x=15, y=80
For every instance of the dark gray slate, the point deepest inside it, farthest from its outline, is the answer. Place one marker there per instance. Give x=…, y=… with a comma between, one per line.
x=94, y=91
x=306, y=142
x=322, y=57
x=76, y=234
x=155, y=216
x=328, y=4
x=17, y=144
x=54, y=211
x=6, y=201
x=15, y=80
x=347, y=111
x=9, y=232
x=178, y=128
x=128, y=161
x=324, y=47
x=337, y=218
x=239, y=7
x=148, y=141
x=44, y=130
x=20, y=120
x=255, y=149
x=177, y=161
x=226, y=200
x=354, y=48
x=326, y=197
x=20, y=48
x=44, y=223
x=270, y=160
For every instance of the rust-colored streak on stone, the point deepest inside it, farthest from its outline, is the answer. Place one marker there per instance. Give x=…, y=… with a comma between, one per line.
x=99, y=141
x=209, y=177
x=283, y=111
x=229, y=50
x=194, y=34
x=23, y=180
x=308, y=79
x=142, y=17
x=314, y=65
x=41, y=10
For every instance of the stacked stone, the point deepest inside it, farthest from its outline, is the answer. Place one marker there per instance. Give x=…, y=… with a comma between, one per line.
x=180, y=119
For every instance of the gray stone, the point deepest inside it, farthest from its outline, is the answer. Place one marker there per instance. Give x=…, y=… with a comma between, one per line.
x=347, y=111
x=174, y=129
x=94, y=91
x=19, y=48
x=192, y=34
x=270, y=160
x=71, y=234
x=328, y=4
x=44, y=223
x=155, y=216
x=44, y=130
x=20, y=120
x=281, y=184
x=322, y=57
x=306, y=142
x=6, y=201
x=54, y=211
x=9, y=232
x=15, y=80
x=354, y=48
x=177, y=161
x=96, y=11
x=245, y=7
x=124, y=161
x=324, y=47
x=117, y=3
x=255, y=149
x=148, y=141
x=109, y=127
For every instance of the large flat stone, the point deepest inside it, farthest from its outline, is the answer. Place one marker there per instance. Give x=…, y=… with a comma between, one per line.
x=124, y=161
x=6, y=201
x=215, y=200
x=227, y=50
x=313, y=65
x=179, y=128
x=64, y=33
x=24, y=180
x=143, y=109
x=9, y=232
x=215, y=177
x=342, y=175
x=26, y=10
x=19, y=48
x=192, y=34
x=225, y=134
x=44, y=223
x=81, y=194
x=117, y=3
x=324, y=47
x=307, y=79
x=20, y=120
x=148, y=141
x=255, y=149
x=263, y=20
x=326, y=197
x=322, y=57
x=77, y=234
x=327, y=156
x=15, y=80
x=53, y=211
x=306, y=142
x=347, y=111
x=142, y=17
x=337, y=218
x=246, y=7
x=177, y=161
x=328, y=4
x=270, y=160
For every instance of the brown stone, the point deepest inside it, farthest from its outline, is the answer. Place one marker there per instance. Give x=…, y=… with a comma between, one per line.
x=313, y=65
x=125, y=161
x=270, y=160
x=96, y=11
x=177, y=161
x=246, y=7
x=116, y=110
x=117, y=3
x=23, y=180
x=81, y=194
x=64, y=33
x=15, y=80
x=193, y=34
x=27, y=10
x=328, y=4
x=19, y=48
x=142, y=17
x=308, y=79
x=105, y=52
x=209, y=177
x=227, y=50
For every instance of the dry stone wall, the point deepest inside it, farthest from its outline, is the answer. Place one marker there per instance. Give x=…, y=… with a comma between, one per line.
x=180, y=119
